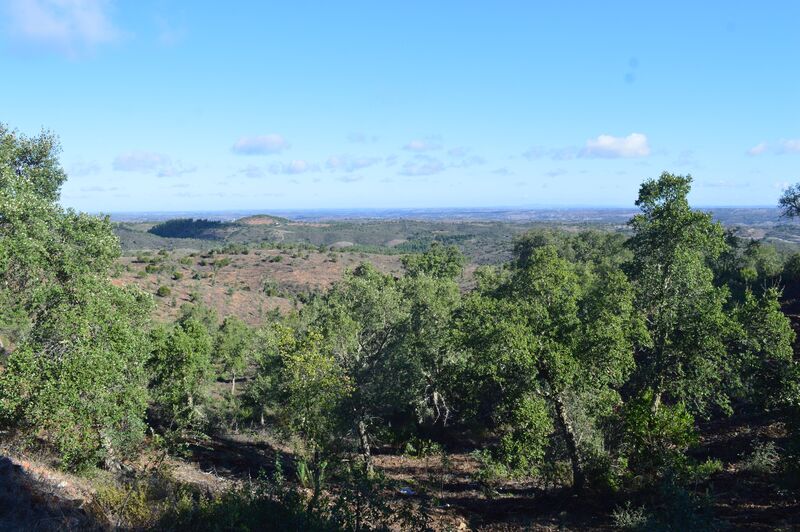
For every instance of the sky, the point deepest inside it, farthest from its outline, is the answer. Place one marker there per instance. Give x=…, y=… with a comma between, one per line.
x=173, y=106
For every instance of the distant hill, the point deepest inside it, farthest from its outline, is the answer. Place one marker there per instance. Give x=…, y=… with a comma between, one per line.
x=262, y=219
x=190, y=228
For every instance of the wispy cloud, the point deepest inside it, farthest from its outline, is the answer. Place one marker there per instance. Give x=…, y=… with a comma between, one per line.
x=70, y=27
x=252, y=171
x=350, y=178
x=782, y=147
x=610, y=147
x=83, y=168
x=555, y=172
x=298, y=166
x=150, y=162
x=602, y=147
x=260, y=145
x=361, y=138
x=422, y=165
x=350, y=164
x=420, y=145
x=758, y=149
x=789, y=146
x=464, y=158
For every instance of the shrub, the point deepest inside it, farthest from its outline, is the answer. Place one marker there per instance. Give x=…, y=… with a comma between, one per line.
x=763, y=460
x=655, y=441
x=163, y=291
x=630, y=517
x=177, y=276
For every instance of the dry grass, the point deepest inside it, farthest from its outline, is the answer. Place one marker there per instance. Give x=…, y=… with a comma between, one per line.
x=238, y=288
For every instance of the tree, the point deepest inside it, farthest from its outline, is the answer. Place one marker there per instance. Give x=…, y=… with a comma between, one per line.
x=361, y=319
x=80, y=379
x=426, y=339
x=77, y=375
x=685, y=355
x=312, y=390
x=789, y=202
x=180, y=366
x=232, y=348
x=767, y=373
x=443, y=262
x=538, y=336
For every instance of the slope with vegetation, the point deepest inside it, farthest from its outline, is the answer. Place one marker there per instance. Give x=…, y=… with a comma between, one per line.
x=592, y=380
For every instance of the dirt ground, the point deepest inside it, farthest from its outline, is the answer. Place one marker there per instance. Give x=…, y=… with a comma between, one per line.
x=238, y=288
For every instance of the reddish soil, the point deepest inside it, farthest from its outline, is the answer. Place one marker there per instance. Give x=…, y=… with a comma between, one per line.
x=238, y=288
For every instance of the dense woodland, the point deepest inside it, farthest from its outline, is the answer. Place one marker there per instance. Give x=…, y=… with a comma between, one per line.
x=587, y=364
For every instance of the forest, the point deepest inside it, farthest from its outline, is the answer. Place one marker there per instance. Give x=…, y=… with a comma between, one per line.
x=589, y=373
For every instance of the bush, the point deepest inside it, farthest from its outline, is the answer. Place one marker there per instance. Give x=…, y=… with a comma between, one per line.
x=629, y=517
x=163, y=291
x=177, y=276
x=655, y=442
x=764, y=459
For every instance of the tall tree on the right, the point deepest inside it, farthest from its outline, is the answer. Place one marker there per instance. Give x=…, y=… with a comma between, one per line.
x=686, y=356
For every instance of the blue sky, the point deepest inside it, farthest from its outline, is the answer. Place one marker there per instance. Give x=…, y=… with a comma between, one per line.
x=275, y=105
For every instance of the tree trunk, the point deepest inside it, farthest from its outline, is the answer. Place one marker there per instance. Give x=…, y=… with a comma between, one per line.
x=658, y=391
x=656, y=401
x=364, y=441
x=578, y=478
x=110, y=460
x=233, y=384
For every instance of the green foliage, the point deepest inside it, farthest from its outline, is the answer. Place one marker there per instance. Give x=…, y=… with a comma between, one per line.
x=764, y=459
x=655, y=440
x=537, y=336
x=163, y=291
x=685, y=355
x=188, y=228
x=232, y=349
x=445, y=262
x=77, y=376
x=789, y=202
x=629, y=517
x=180, y=368
x=767, y=373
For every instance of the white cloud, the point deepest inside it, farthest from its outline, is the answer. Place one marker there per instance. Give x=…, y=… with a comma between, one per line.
x=610, y=147
x=297, y=166
x=555, y=172
x=67, y=26
x=175, y=170
x=83, y=168
x=422, y=165
x=422, y=145
x=252, y=171
x=535, y=152
x=758, y=149
x=789, y=146
x=350, y=178
x=260, y=145
x=150, y=162
x=350, y=164
x=139, y=161
x=465, y=158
